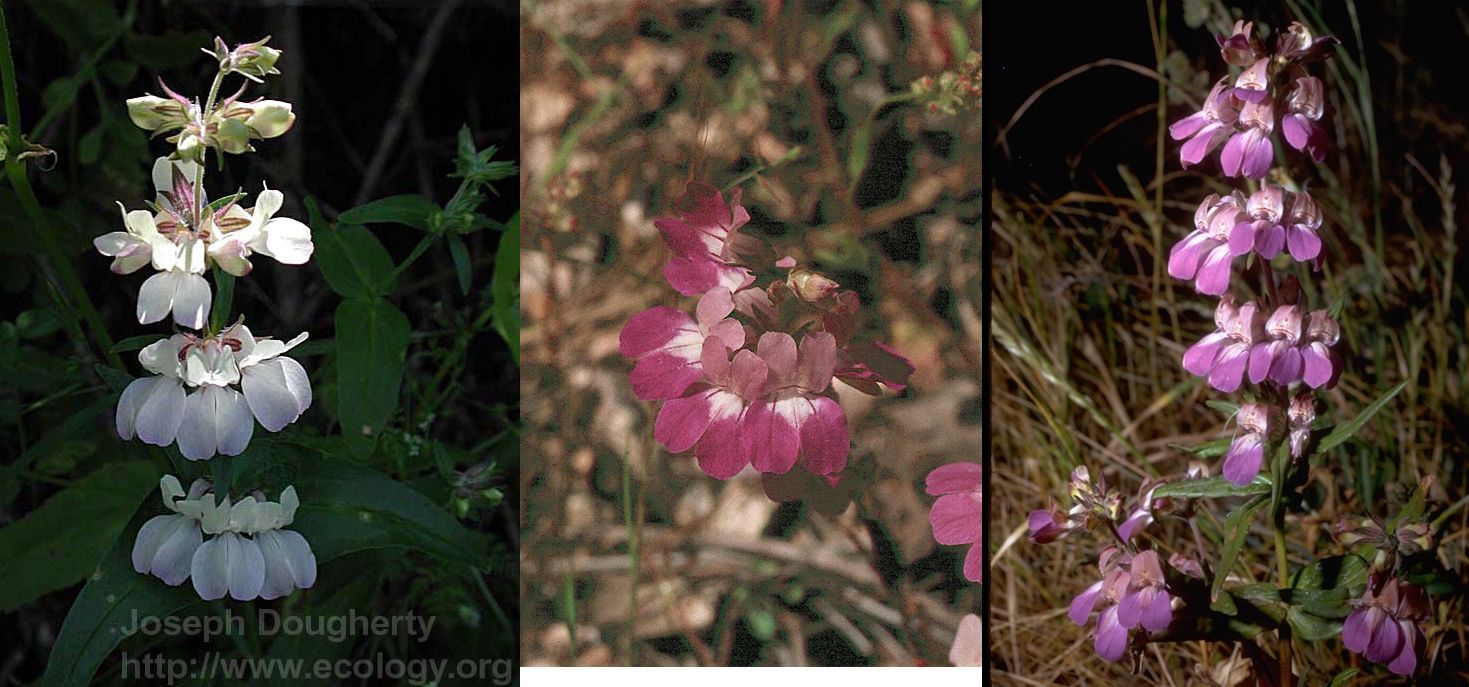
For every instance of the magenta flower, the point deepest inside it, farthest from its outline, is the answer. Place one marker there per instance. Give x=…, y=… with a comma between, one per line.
x=1049, y=524
x=1111, y=636
x=763, y=409
x=703, y=237
x=1302, y=225
x=1385, y=628
x=1147, y=603
x=669, y=345
x=1249, y=152
x=1204, y=255
x=1253, y=84
x=1224, y=355
x=1303, y=109
x=957, y=516
x=1301, y=414
x=1207, y=128
x=863, y=366
x=1297, y=44
x=1322, y=365
x=1258, y=422
x=1280, y=359
x=1240, y=48
x=1260, y=229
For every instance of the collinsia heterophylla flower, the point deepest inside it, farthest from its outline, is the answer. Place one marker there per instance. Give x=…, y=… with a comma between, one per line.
x=192, y=397
x=738, y=388
x=957, y=516
x=1258, y=424
x=1204, y=256
x=1386, y=628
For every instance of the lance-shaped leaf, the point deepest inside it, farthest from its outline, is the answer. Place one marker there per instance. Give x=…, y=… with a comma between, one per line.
x=372, y=343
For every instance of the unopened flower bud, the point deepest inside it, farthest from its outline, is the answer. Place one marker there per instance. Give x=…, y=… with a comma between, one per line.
x=1414, y=537
x=1239, y=48
x=190, y=147
x=1361, y=530
x=811, y=286
x=255, y=60
x=153, y=113
x=1320, y=327
x=269, y=118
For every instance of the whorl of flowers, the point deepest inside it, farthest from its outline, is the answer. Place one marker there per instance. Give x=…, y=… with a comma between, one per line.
x=210, y=387
x=747, y=379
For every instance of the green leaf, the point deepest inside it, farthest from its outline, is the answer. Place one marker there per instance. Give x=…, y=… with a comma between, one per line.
x=859, y=151
x=111, y=601
x=353, y=261
x=1325, y=587
x=89, y=146
x=372, y=343
x=1213, y=487
x=1236, y=528
x=1311, y=627
x=1224, y=407
x=171, y=50
x=116, y=379
x=1345, y=430
x=137, y=343
x=1341, y=678
x=506, y=287
x=408, y=209
x=59, y=544
x=462, y=268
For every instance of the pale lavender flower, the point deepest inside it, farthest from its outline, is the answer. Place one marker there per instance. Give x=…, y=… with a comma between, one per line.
x=1249, y=152
x=1260, y=229
x=1302, y=226
x=1300, y=124
x=1224, y=355
x=1253, y=84
x=1147, y=603
x=1111, y=636
x=1280, y=359
x=1322, y=365
x=1241, y=48
x=1204, y=255
x=1302, y=414
x=1258, y=423
x=1209, y=127
x=1385, y=627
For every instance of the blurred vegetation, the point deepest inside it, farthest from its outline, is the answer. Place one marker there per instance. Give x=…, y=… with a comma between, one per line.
x=634, y=556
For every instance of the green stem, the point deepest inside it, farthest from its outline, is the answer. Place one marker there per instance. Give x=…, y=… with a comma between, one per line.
x=1282, y=570
x=70, y=292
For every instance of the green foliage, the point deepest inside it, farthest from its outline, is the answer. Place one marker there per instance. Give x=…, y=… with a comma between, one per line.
x=60, y=543
x=353, y=261
x=1236, y=528
x=1213, y=487
x=409, y=210
x=1344, y=431
x=372, y=343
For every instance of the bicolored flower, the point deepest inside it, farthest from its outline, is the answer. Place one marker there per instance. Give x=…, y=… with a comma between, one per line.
x=1204, y=256
x=1303, y=109
x=957, y=516
x=1249, y=152
x=1297, y=44
x=703, y=237
x=192, y=398
x=1260, y=229
x=1322, y=364
x=669, y=345
x=1112, y=637
x=1259, y=423
x=1385, y=627
x=766, y=408
x=1301, y=415
x=1146, y=604
x=1302, y=226
x=1223, y=356
x=1209, y=127
x=1253, y=84
x=285, y=239
x=165, y=545
x=1279, y=359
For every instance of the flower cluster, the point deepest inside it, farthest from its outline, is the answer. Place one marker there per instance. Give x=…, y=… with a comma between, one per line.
x=209, y=387
x=738, y=388
x=249, y=554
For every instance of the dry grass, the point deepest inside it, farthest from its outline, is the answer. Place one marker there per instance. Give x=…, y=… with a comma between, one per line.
x=622, y=102
x=1085, y=371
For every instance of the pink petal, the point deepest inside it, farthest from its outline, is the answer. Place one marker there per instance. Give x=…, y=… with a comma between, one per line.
x=651, y=329
x=1386, y=642
x=1203, y=143
x=1187, y=126
x=1233, y=155
x=957, y=478
x=778, y=350
x=720, y=452
x=1242, y=462
x=818, y=361
x=1229, y=368
x=663, y=376
x=1295, y=130
x=955, y=519
x=1183, y=259
x=1158, y=613
x=1407, y=661
x=1305, y=245
x=682, y=421
x=716, y=304
x=1270, y=240
x=825, y=443
x=1111, y=641
x=1082, y=605
x=748, y=375
x=1319, y=370
x=1199, y=358
x=771, y=439
x=1214, y=275
x=1259, y=154
x=971, y=564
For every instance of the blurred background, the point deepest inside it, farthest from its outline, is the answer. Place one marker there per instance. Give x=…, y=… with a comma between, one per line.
x=380, y=90
x=806, y=106
x=1089, y=329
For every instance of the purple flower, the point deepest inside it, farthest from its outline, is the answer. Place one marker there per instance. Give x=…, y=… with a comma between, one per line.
x=1302, y=223
x=1204, y=255
x=1049, y=524
x=1111, y=636
x=1207, y=128
x=1302, y=414
x=1249, y=152
x=1253, y=84
x=1240, y=48
x=1224, y=355
x=1296, y=44
x=1280, y=359
x=1258, y=422
x=1260, y=229
x=1147, y=603
x=703, y=237
x=1303, y=110
x=1322, y=365
x=1385, y=628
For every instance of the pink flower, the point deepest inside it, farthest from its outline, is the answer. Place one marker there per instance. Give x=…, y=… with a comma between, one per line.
x=957, y=516
x=1204, y=255
x=1301, y=226
x=1259, y=229
x=703, y=237
x=1250, y=152
x=763, y=409
x=669, y=345
x=1385, y=628
x=1280, y=359
x=1322, y=364
x=1303, y=109
x=1253, y=84
x=1207, y=128
x=1259, y=423
x=1224, y=355
x=1240, y=48
x=1049, y=524
x=1111, y=636
x=1147, y=603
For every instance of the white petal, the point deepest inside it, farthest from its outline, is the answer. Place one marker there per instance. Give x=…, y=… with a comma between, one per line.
x=246, y=567
x=198, y=438
x=277, y=391
x=289, y=503
x=233, y=422
x=191, y=302
x=161, y=412
x=286, y=240
x=289, y=563
x=176, y=554
x=162, y=356
x=266, y=348
x=210, y=568
x=232, y=255
x=155, y=299
x=127, y=406
x=303, y=561
x=162, y=175
x=150, y=537
x=191, y=256
x=268, y=203
x=165, y=255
